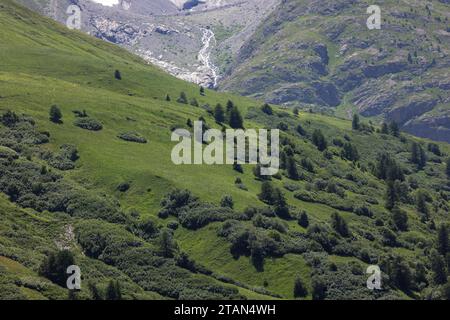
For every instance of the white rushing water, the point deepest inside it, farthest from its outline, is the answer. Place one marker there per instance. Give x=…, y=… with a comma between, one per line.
x=204, y=56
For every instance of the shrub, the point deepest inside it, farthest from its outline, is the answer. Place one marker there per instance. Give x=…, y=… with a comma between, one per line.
x=267, y=109
x=123, y=187
x=227, y=202
x=9, y=118
x=88, y=124
x=299, y=288
x=117, y=75
x=54, y=266
x=319, y=288
x=132, y=136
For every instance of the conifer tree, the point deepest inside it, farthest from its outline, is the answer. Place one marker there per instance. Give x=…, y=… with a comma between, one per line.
x=219, y=113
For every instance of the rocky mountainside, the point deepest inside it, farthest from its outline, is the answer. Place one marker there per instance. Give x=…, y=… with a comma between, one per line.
x=321, y=54
x=192, y=40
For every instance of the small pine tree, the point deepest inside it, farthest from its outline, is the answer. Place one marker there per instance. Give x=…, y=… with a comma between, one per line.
x=319, y=140
x=356, y=125
x=95, y=292
x=168, y=97
x=339, y=224
x=183, y=98
x=300, y=290
x=117, y=75
x=394, y=129
x=219, y=113
x=202, y=91
x=421, y=204
x=189, y=123
x=230, y=106
x=291, y=168
x=235, y=119
x=400, y=219
x=418, y=156
x=112, y=291
x=194, y=102
x=319, y=289
x=303, y=220
x=384, y=128
x=438, y=268
x=442, y=241
x=391, y=195
x=54, y=267
x=166, y=244
x=55, y=114
x=267, y=109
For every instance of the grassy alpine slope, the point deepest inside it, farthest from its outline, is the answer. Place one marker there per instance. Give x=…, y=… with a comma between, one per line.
x=65, y=187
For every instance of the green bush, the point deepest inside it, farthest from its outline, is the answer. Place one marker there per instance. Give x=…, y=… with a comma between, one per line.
x=88, y=124
x=132, y=136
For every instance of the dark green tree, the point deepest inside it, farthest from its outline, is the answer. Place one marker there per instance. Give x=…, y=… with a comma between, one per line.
x=113, y=291
x=391, y=195
x=95, y=292
x=303, y=219
x=319, y=140
x=300, y=290
x=442, y=240
x=339, y=224
x=267, y=109
x=319, y=289
x=291, y=168
x=356, y=125
x=202, y=91
x=267, y=194
x=117, y=75
x=219, y=113
x=227, y=202
x=384, y=128
x=235, y=119
x=55, y=114
x=418, y=156
x=394, y=129
x=400, y=219
x=183, y=98
x=168, y=97
x=438, y=268
x=166, y=243
x=54, y=267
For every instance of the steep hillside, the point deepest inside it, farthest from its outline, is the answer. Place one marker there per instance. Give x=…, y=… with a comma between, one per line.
x=320, y=54
x=195, y=44
x=100, y=183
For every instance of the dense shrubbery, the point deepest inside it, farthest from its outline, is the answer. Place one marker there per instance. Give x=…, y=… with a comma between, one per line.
x=88, y=124
x=145, y=265
x=132, y=136
x=64, y=159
